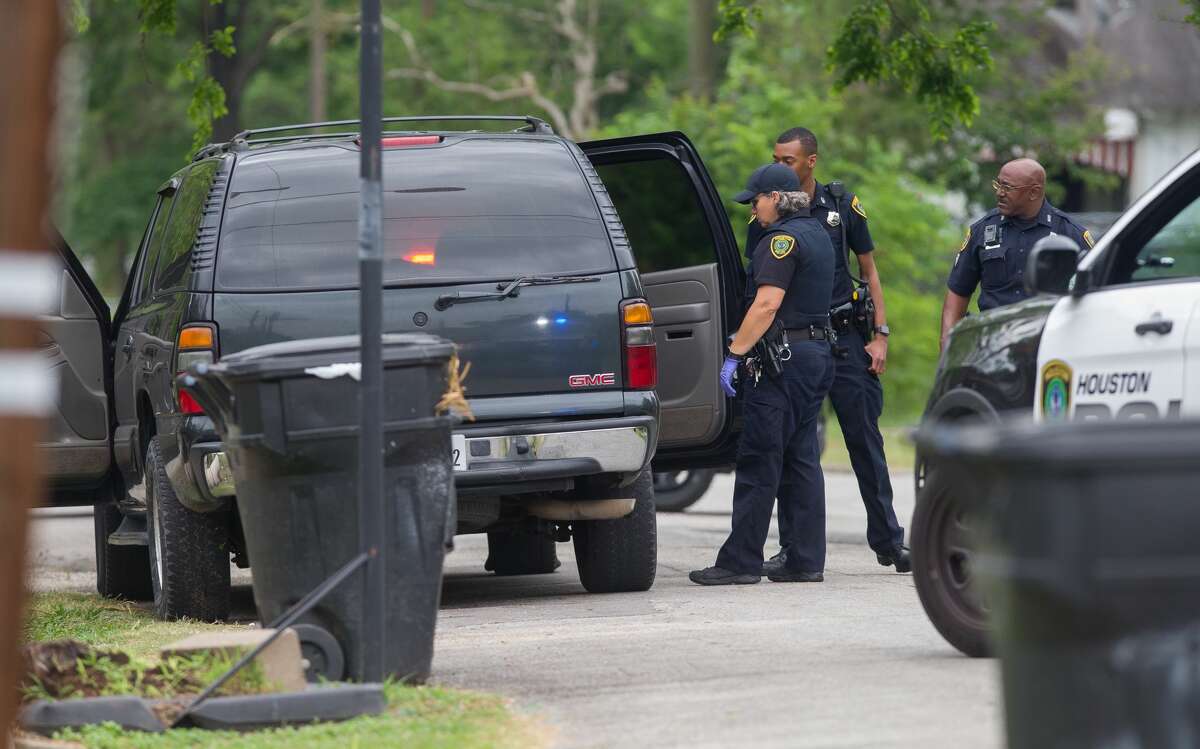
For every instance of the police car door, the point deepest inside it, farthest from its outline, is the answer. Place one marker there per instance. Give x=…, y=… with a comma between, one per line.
x=1128, y=348
x=692, y=275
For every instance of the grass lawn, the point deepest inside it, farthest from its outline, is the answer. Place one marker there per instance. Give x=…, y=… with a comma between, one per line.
x=896, y=444
x=416, y=716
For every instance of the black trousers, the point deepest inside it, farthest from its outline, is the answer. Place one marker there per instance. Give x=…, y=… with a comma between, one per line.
x=857, y=400
x=779, y=456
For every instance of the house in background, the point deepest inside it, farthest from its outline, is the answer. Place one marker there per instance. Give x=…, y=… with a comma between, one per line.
x=1152, y=102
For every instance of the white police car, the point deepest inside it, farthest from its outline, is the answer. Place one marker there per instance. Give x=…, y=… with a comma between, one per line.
x=1114, y=335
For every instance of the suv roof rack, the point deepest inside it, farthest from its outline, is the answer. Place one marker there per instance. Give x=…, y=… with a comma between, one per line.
x=532, y=124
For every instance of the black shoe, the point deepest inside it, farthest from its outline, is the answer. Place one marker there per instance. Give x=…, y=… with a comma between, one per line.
x=794, y=576
x=775, y=563
x=718, y=576
x=898, y=556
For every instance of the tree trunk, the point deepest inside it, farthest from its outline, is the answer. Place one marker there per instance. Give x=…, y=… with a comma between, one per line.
x=316, y=62
x=223, y=69
x=702, y=50
x=29, y=45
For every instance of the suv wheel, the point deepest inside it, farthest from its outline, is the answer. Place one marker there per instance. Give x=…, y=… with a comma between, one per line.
x=121, y=571
x=675, y=491
x=520, y=553
x=942, y=548
x=189, y=551
x=616, y=556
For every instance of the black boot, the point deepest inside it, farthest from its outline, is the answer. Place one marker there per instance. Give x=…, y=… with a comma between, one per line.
x=898, y=556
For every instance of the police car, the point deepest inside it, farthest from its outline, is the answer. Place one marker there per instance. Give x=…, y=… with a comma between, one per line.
x=1115, y=335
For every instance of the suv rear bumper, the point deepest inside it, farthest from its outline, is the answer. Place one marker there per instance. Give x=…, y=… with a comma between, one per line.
x=498, y=457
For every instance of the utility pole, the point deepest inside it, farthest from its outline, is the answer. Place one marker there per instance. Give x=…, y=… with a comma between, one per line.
x=371, y=513
x=29, y=44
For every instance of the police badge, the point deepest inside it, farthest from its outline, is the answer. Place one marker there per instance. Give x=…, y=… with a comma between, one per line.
x=1056, y=390
x=834, y=218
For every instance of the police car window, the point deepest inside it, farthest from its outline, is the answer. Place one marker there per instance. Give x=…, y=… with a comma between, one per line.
x=657, y=203
x=1172, y=252
x=476, y=208
x=176, y=257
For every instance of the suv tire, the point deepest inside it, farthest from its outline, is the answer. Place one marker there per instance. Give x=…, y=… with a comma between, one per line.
x=675, y=491
x=121, y=571
x=189, y=551
x=942, y=570
x=618, y=556
x=520, y=553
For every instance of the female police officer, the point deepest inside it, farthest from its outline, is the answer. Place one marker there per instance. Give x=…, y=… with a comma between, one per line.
x=791, y=272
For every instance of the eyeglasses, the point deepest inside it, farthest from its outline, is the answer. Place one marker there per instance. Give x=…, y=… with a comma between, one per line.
x=1003, y=188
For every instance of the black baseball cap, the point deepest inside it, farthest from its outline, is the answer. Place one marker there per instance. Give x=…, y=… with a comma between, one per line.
x=769, y=178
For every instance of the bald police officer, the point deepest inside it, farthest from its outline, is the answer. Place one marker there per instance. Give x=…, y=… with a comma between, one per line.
x=792, y=272
x=992, y=254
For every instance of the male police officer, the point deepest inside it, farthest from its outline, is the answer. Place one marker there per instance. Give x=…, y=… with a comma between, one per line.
x=993, y=252
x=857, y=395
x=792, y=271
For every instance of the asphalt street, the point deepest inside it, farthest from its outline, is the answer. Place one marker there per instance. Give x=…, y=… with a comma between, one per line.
x=851, y=662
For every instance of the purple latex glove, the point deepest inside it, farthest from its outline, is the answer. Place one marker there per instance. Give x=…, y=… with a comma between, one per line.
x=729, y=374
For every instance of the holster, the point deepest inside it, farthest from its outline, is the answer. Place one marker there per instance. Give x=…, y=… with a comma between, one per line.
x=858, y=313
x=772, y=350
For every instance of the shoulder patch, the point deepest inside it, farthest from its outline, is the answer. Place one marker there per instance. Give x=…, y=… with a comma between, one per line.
x=966, y=239
x=857, y=207
x=1087, y=237
x=782, y=245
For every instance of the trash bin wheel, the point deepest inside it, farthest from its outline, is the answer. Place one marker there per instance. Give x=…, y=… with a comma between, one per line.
x=942, y=549
x=675, y=491
x=323, y=656
x=520, y=553
x=189, y=551
x=121, y=571
x=617, y=556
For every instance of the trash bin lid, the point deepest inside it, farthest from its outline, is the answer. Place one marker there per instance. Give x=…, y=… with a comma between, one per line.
x=1098, y=446
x=295, y=358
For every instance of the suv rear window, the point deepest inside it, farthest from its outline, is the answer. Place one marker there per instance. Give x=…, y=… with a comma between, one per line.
x=476, y=209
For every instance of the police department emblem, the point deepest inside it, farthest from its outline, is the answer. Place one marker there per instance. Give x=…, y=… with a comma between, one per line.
x=1056, y=390
x=782, y=245
x=834, y=218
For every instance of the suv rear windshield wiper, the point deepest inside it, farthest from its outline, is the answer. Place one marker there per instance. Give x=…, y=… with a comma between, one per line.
x=506, y=289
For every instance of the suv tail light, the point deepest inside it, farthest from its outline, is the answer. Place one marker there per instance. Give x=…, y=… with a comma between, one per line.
x=196, y=343
x=641, y=355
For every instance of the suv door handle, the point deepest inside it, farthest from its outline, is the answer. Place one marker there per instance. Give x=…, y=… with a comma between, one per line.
x=127, y=348
x=1162, y=327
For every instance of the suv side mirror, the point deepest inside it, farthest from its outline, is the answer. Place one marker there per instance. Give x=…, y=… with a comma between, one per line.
x=1051, y=265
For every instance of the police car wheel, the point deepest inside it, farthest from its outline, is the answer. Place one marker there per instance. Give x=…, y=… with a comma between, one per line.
x=675, y=491
x=942, y=550
x=520, y=553
x=189, y=551
x=620, y=556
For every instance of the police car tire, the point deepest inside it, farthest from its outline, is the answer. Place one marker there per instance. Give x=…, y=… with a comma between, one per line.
x=520, y=553
x=620, y=556
x=121, y=571
x=193, y=548
x=673, y=495
x=956, y=617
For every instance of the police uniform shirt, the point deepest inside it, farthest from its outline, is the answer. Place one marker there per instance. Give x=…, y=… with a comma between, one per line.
x=992, y=254
x=825, y=211
x=795, y=255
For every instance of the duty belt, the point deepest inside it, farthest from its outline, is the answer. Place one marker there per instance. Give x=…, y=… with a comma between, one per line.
x=812, y=333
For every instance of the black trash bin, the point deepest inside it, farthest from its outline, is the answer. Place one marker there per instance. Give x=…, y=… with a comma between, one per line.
x=289, y=417
x=1090, y=561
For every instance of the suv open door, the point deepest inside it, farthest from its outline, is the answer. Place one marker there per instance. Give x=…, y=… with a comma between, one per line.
x=75, y=338
x=693, y=277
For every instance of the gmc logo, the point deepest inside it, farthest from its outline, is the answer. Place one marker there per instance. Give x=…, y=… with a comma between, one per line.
x=592, y=380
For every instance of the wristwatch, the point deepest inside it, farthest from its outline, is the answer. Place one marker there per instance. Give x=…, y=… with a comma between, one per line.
x=883, y=330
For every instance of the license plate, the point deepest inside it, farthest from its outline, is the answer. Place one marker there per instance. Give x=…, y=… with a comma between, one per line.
x=458, y=452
